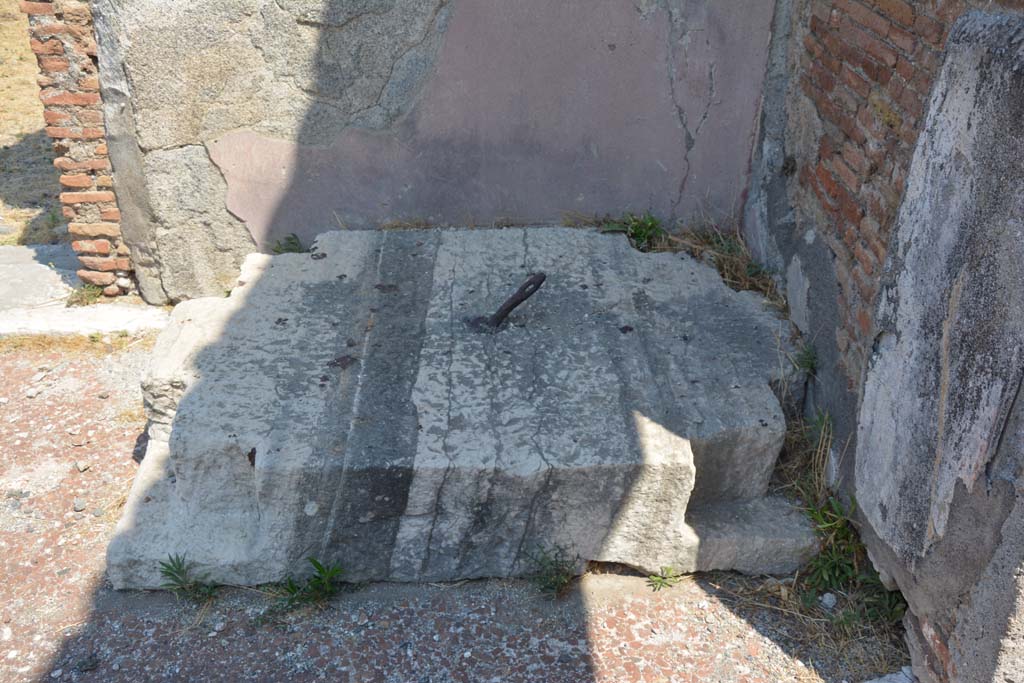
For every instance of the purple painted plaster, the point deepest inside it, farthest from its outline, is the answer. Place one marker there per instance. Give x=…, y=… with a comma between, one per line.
x=533, y=109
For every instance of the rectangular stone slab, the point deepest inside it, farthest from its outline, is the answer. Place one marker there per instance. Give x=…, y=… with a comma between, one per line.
x=338, y=405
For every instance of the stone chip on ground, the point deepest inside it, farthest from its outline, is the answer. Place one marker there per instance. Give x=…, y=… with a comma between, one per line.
x=338, y=405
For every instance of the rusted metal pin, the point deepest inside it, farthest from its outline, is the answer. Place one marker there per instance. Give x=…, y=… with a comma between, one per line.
x=525, y=291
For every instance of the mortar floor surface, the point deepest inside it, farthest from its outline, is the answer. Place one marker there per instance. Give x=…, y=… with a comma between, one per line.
x=70, y=420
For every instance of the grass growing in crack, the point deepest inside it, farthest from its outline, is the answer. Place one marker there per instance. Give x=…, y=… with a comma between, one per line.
x=862, y=631
x=53, y=219
x=317, y=589
x=666, y=578
x=553, y=570
x=843, y=569
x=410, y=224
x=806, y=359
x=86, y=295
x=863, y=605
x=289, y=245
x=803, y=467
x=180, y=580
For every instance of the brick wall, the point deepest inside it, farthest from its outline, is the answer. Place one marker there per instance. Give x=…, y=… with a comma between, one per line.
x=62, y=38
x=867, y=67
x=865, y=70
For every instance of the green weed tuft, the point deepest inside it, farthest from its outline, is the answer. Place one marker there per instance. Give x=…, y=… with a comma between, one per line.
x=842, y=568
x=179, y=579
x=323, y=585
x=553, y=570
x=806, y=359
x=86, y=295
x=644, y=231
x=729, y=253
x=289, y=245
x=667, y=578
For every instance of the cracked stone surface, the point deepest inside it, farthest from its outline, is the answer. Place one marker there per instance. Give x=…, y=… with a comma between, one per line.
x=338, y=405
x=283, y=116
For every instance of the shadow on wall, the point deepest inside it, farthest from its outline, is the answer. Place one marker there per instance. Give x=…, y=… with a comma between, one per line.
x=514, y=114
x=31, y=213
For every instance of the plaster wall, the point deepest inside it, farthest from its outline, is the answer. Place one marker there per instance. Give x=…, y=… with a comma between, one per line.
x=240, y=122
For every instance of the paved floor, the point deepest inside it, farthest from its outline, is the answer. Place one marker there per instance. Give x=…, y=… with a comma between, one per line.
x=69, y=423
x=36, y=275
x=35, y=282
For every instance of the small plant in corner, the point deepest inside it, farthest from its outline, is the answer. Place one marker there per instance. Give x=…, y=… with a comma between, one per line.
x=806, y=359
x=553, y=570
x=53, y=219
x=179, y=579
x=645, y=231
x=289, y=245
x=667, y=578
x=86, y=295
x=842, y=567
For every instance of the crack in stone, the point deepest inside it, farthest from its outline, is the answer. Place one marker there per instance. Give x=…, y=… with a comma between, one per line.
x=670, y=65
x=428, y=30
x=712, y=89
x=354, y=116
x=1002, y=430
x=677, y=36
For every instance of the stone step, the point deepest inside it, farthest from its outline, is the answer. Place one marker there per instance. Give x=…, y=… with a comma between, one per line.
x=339, y=405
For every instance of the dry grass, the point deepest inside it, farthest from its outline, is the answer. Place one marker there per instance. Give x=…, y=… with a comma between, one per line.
x=802, y=471
x=728, y=251
x=132, y=416
x=468, y=223
x=115, y=506
x=724, y=248
x=413, y=224
x=29, y=210
x=859, y=652
x=74, y=344
x=23, y=112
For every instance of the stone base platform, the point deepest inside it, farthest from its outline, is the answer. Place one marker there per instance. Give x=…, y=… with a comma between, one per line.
x=341, y=405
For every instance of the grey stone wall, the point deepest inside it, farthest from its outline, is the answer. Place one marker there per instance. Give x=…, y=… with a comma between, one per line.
x=238, y=122
x=941, y=435
x=929, y=437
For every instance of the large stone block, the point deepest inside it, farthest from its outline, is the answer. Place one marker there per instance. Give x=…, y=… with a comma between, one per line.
x=339, y=405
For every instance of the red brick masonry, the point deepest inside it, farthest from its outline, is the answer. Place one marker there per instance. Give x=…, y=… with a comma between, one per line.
x=62, y=38
x=868, y=68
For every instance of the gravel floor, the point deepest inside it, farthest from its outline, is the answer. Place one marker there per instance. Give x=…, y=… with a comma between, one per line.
x=70, y=417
